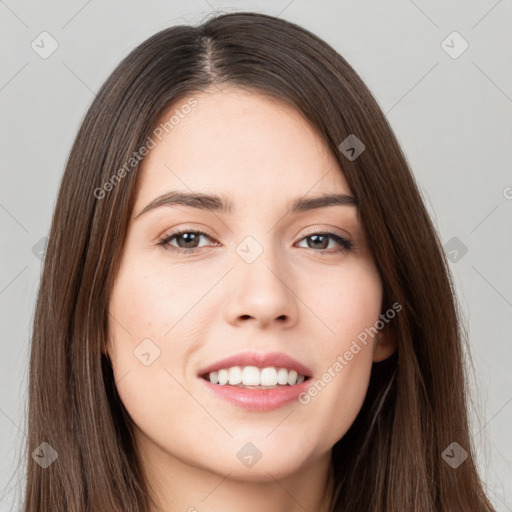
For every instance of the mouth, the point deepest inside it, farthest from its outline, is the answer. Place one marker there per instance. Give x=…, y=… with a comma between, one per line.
x=256, y=389
x=253, y=369
x=253, y=377
x=256, y=381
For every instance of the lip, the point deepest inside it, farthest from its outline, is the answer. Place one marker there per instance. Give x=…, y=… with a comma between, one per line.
x=260, y=360
x=257, y=399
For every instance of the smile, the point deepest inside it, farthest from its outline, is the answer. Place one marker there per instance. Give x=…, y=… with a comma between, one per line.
x=254, y=377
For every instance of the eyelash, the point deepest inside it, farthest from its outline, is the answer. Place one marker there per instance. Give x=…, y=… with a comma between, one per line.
x=346, y=245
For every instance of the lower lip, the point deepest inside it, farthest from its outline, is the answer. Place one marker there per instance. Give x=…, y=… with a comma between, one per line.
x=258, y=399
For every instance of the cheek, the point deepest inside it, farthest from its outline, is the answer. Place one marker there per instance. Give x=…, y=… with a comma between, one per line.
x=350, y=307
x=145, y=312
x=149, y=301
x=355, y=298
x=147, y=356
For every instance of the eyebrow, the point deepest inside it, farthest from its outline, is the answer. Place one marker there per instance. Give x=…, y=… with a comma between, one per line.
x=222, y=204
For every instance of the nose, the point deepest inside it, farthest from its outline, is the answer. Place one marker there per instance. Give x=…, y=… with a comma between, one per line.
x=262, y=292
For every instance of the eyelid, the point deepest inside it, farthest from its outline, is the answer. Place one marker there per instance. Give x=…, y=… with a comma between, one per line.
x=345, y=244
x=185, y=228
x=163, y=240
x=345, y=241
x=326, y=229
x=309, y=231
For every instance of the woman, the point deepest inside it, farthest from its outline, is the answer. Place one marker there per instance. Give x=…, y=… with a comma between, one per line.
x=244, y=302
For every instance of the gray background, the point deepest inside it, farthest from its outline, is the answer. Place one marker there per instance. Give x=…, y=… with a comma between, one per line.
x=453, y=117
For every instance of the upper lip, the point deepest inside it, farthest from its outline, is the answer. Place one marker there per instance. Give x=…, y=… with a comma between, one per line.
x=261, y=360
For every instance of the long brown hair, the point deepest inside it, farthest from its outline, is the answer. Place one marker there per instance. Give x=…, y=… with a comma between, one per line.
x=391, y=459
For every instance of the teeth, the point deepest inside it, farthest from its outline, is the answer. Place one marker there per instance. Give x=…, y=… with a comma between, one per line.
x=250, y=376
x=235, y=375
x=282, y=376
x=292, y=377
x=223, y=377
x=253, y=376
x=268, y=377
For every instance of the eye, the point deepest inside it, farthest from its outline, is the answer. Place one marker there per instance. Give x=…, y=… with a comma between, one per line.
x=187, y=240
x=320, y=241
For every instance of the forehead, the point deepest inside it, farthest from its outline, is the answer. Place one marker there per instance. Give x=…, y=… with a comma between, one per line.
x=242, y=144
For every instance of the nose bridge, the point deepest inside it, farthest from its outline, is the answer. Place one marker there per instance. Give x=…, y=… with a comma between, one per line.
x=262, y=290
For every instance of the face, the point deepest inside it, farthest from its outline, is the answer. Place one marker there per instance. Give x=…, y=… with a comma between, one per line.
x=262, y=279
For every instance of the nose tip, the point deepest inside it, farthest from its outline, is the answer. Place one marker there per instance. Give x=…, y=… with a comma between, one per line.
x=261, y=295
x=280, y=318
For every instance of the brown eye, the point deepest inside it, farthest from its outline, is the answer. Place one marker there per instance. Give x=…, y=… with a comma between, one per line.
x=186, y=240
x=320, y=241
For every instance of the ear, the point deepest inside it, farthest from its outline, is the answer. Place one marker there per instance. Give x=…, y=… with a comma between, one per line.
x=384, y=344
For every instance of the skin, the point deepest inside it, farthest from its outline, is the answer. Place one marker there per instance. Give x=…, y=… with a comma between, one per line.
x=262, y=154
